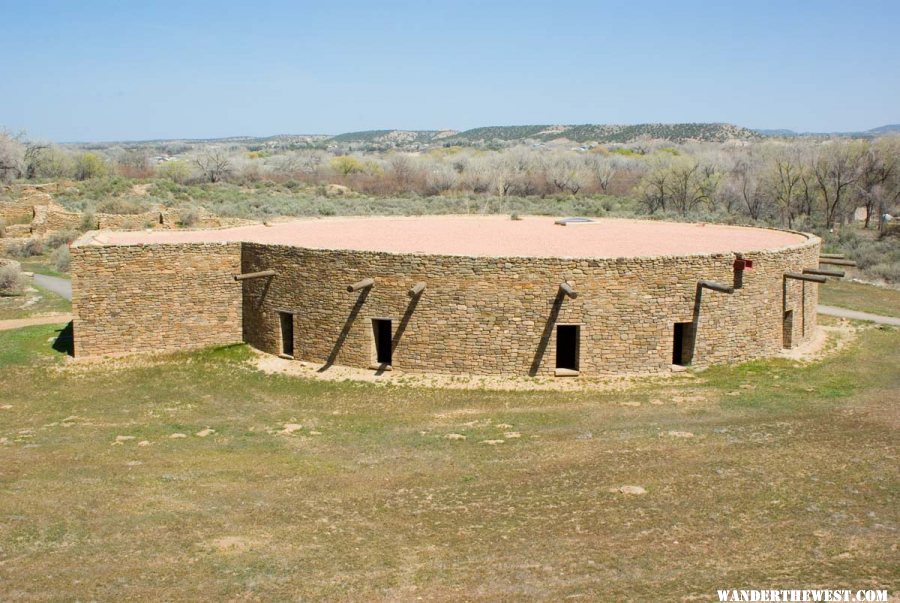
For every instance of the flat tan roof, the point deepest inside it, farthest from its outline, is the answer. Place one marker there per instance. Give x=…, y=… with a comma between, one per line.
x=483, y=236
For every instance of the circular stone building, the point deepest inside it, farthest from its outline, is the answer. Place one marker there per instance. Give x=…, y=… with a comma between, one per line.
x=453, y=294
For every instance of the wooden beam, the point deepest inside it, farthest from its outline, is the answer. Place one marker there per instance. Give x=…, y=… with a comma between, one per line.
x=417, y=289
x=836, y=262
x=717, y=286
x=245, y=276
x=820, y=272
x=812, y=278
x=363, y=284
x=833, y=256
x=567, y=289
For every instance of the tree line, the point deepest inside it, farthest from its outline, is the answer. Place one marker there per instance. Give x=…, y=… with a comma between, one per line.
x=794, y=183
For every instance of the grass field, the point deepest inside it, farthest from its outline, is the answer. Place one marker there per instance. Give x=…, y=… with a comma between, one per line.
x=857, y=296
x=32, y=303
x=769, y=474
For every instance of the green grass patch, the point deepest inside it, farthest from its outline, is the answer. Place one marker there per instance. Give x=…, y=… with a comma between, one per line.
x=858, y=296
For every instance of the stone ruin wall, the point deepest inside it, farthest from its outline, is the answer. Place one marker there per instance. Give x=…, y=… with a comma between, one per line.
x=490, y=315
x=141, y=298
x=477, y=315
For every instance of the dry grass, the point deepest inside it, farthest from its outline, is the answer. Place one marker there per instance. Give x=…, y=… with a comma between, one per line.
x=789, y=478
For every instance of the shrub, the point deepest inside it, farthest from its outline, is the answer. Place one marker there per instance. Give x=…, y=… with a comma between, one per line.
x=29, y=248
x=117, y=205
x=188, y=217
x=88, y=221
x=61, y=258
x=10, y=279
x=89, y=165
x=2, y=227
x=63, y=237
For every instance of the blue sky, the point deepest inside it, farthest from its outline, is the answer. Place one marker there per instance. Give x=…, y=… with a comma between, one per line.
x=92, y=70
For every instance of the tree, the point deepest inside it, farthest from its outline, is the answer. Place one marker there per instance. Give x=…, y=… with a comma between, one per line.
x=784, y=183
x=877, y=168
x=653, y=188
x=135, y=163
x=89, y=165
x=177, y=171
x=46, y=161
x=566, y=175
x=346, y=165
x=12, y=153
x=214, y=165
x=835, y=171
x=690, y=184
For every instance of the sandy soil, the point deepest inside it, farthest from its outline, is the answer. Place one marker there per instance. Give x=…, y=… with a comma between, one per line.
x=483, y=236
x=827, y=341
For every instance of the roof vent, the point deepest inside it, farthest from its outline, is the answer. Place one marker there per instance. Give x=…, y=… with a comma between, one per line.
x=575, y=220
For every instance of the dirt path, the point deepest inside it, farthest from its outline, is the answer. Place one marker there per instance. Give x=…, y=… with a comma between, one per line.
x=856, y=315
x=49, y=319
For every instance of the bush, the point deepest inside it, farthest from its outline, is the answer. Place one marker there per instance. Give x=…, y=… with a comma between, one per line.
x=10, y=279
x=61, y=258
x=117, y=205
x=29, y=248
x=188, y=218
x=63, y=237
x=88, y=221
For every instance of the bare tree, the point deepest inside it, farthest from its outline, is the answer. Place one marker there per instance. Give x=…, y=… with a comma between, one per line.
x=836, y=171
x=12, y=154
x=877, y=167
x=214, y=165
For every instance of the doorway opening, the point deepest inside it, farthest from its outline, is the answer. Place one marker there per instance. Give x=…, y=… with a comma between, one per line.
x=286, y=319
x=683, y=343
x=382, y=329
x=567, y=344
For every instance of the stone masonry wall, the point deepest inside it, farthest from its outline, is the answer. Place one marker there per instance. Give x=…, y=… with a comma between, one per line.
x=498, y=315
x=140, y=298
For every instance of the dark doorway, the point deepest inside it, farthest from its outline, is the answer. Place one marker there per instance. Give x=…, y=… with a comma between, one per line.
x=787, y=330
x=567, y=337
x=683, y=343
x=382, y=329
x=287, y=333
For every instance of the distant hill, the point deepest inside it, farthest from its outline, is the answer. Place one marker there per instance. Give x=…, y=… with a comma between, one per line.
x=528, y=134
x=888, y=129
x=604, y=133
x=393, y=137
x=880, y=131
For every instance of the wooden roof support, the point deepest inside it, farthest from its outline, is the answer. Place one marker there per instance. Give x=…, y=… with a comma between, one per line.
x=821, y=272
x=263, y=274
x=716, y=286
x=566, y=289
x=417, y=289
x=836, y=262
x=363, y=284
x=811, y=278
x=833, y=256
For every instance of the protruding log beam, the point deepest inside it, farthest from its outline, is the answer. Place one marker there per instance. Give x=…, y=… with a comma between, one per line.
x=363, y=284
x=566, y=289
x=263, y=274
x=417, y=289
x=833, y=256
x=812, y=278
x=836, y=262
x=821, y=272
x=717, y=286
